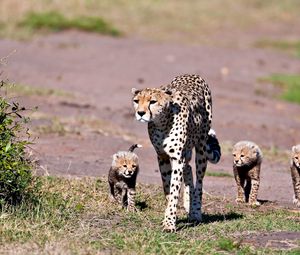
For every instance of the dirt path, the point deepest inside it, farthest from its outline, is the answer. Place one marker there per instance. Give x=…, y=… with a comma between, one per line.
x=96, y=119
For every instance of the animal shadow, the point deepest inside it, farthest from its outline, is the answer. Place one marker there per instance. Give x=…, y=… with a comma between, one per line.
x=141, y=205
x=265, y=202
x=208, y=218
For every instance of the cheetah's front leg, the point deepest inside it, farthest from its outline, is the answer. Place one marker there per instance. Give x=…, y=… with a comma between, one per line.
x=165, y=171
x=169, y=223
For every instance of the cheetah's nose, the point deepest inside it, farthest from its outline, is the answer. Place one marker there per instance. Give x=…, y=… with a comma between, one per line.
x=236, y=161
x=141, y=113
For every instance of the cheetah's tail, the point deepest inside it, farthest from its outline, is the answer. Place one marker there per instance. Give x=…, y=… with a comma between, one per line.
x=132, y=147
x=213, y=149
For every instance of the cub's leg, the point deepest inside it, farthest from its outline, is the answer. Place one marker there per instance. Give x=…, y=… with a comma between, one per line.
x=124, y=197
x=247, y=189
x=240, y=182
x=112, y=192
x=131, y=199
x=296, y=184
x=188, y=184
x=255, y=181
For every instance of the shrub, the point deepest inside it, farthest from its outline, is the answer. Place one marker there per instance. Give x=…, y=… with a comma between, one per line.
x=15, y=166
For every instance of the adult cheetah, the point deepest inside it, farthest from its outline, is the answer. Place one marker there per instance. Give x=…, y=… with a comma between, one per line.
x=179, y=118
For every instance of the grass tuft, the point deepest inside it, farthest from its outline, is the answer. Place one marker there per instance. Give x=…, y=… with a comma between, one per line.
x=55, y=21
x=226, y=244
x=290, y=85
x=26, y=90
x=218, y=174
x=292, y=47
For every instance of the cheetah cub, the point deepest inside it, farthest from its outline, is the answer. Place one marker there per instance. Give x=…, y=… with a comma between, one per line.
x=295, y=171
x=247, y=158
x=122, y=177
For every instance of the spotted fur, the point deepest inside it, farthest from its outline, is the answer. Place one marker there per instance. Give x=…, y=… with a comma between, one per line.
x=179, y=117
x=295, y=172
x=122, y=177
x=247, y=159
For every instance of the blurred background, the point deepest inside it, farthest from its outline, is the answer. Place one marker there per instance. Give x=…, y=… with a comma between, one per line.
x=191, y=22
x=77, y=60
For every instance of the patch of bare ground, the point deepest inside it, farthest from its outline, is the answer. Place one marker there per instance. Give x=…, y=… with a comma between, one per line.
x=283, y=240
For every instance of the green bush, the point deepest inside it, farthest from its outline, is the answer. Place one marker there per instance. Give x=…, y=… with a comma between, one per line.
x=15, y=167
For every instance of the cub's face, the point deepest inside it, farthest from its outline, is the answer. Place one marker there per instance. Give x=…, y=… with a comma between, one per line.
x=149, y=103
x=126, y=165
x=243, y=156
x=296, y=155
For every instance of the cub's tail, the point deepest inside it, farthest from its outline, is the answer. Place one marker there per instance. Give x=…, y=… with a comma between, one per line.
x=213, y=149
x=132, y=147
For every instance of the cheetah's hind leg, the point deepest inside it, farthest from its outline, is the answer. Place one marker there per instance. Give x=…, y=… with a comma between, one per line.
x=188, y=185
x=201, y=163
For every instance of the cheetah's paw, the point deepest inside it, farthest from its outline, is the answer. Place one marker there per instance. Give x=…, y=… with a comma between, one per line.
x=240, y=200
x=195, y=217
x=296, y=201
x=169, y=226
x=254, y=203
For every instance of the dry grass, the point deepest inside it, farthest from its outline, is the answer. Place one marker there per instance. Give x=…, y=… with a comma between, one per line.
x=184, y=21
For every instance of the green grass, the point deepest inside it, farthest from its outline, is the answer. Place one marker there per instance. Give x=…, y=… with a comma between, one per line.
x=55, y=21
x=26, y=90
x=290, y=85
x=218, y=174
x=292, y=47
x=75, y=216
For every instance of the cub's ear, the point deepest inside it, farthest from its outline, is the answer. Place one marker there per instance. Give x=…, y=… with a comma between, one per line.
x=294, y=149
x=115, y=157
x=134, y=91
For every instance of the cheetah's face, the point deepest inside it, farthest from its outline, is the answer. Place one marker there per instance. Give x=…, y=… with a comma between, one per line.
x=126, y=166
x=149, y=103
x=296, y=155
x=244, y=156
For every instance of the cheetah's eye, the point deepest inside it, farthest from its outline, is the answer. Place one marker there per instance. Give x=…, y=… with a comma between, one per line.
x=153, y=101
x=133, y=166
x=242, y=155
x=234, y=155
x=124, y=165
x=296, y=157
x=136, y=101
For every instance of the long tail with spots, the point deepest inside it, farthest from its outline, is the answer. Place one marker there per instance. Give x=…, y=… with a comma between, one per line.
x=132, y=147
x=213, y=149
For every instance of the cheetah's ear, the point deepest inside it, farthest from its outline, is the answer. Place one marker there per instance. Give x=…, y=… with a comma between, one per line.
x=134, y=91
x=169, y=92
x=294, y=149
